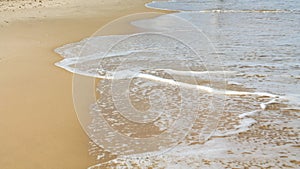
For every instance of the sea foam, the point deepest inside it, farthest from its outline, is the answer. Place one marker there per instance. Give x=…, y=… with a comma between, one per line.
x=228, y=70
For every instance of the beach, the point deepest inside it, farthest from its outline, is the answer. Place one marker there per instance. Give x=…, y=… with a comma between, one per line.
x=38, y=124
x=197, y=84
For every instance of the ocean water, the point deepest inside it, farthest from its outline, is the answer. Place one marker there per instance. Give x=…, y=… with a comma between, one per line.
x=213, y=85
x=228, y=5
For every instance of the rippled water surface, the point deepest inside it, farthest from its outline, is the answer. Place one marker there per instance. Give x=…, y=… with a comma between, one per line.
x=214, y=85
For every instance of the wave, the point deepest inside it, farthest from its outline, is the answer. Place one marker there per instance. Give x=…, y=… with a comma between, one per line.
x=243, y=100
x=231, y=6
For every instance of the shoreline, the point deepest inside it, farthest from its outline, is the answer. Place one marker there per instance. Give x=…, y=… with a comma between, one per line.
x=39, y=127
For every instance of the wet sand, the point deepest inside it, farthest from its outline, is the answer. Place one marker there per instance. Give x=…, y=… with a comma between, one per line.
x=38, y=125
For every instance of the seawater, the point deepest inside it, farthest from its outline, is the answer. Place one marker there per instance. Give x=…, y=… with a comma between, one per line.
x=231, y=68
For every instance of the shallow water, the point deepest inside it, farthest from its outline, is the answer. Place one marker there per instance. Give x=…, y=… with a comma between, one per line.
x=214, y=85
x=235, y=5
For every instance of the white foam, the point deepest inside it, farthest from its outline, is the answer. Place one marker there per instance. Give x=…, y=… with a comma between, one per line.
x=234, y=83
x=183, y=156
x=230, y=6
x=264, y=106
x=244, y=125
x=205, y=88
x=130, y=74
x=198, y=73
x=249, y=114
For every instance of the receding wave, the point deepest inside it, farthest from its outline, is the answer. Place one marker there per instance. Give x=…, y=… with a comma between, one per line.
x=226, y=72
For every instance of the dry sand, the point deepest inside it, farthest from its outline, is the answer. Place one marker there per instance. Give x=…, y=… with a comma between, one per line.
x=38, y=125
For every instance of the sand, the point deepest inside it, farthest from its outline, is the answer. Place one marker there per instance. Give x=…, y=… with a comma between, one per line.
x=38, y=125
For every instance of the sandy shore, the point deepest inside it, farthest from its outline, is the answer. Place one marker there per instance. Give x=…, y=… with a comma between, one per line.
x=38, y=125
